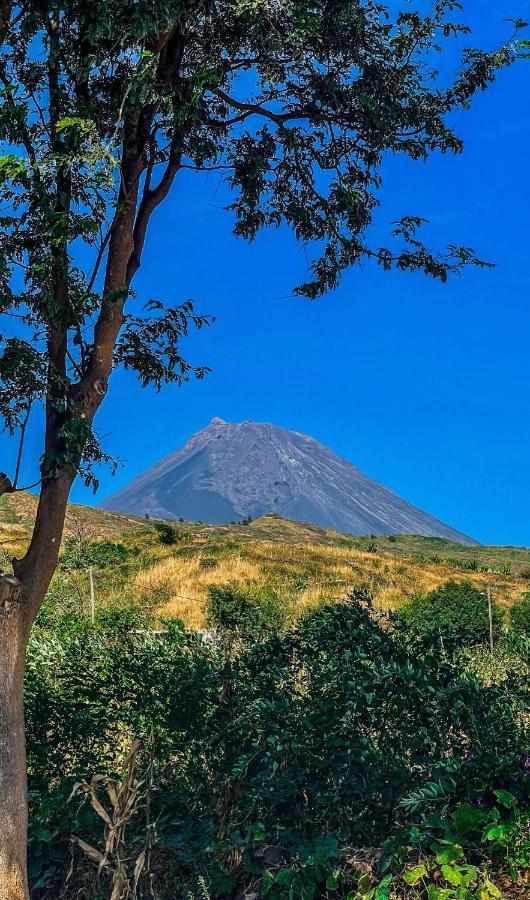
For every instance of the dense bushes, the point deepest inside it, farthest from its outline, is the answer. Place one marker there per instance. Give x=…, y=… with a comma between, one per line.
x=81, y=554
x=272, y=755
x=456, y=611
x=520, y=616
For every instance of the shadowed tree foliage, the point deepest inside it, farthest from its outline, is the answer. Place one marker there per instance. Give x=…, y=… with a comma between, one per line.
x=103, y=106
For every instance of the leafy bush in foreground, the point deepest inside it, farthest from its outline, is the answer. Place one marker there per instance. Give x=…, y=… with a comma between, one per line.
x=246, y=614
x=270, y=762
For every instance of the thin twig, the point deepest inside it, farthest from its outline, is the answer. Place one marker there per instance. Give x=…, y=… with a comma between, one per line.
x=23, y=427
x=28, y=487
x=99, y=256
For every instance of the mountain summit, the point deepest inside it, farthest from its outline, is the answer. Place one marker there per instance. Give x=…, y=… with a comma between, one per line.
x=229, y=471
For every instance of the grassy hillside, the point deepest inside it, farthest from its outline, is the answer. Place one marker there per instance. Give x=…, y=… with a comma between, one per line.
x=304, y=564
x=17, y=513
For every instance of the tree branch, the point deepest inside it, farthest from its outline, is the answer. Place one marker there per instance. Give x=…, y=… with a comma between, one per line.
x=258, y=110
x=150, y=200
x=99, y=257
x=127, y=232
x=6, y=7
x=25, y=136
x=115, y=288
x=23, y=427
x=57, y=332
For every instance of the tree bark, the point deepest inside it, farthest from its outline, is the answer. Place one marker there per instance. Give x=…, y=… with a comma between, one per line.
x=20, y=598
x=35, y=570
x=13, y=792
x=22, y=594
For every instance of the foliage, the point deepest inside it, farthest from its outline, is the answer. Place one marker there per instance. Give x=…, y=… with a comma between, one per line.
x=103, y=108
x=273, y=757
x=167, y=534
x=252, y=613
x=456, y=611
x=438, y=853
x=520, y=616
x=508, y=656
x=81, y=554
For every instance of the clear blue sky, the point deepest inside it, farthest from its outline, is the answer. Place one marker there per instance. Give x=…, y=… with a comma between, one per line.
x=424, y=387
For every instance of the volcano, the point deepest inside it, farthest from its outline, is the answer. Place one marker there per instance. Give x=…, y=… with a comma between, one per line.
x=232, y=471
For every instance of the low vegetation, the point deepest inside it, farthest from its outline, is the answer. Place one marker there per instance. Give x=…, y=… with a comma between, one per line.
x=170, y=567
x=458, y=612
x=343, y=755
x=339, y=728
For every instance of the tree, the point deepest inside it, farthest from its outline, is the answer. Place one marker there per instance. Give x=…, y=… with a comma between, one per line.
x=103, y=105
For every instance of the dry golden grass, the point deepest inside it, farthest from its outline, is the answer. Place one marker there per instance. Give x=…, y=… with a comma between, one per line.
x=188, y=580
x=308, y=574
x=13, y=539
x=305, y=564
x=20, y=509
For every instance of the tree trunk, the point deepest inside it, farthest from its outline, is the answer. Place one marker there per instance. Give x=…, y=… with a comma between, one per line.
x=13, y=793
x=20, y=598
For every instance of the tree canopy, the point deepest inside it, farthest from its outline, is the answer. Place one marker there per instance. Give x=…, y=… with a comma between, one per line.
x=104, y=104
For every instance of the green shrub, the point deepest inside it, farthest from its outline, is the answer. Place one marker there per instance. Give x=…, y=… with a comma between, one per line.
x=122, y=614
x=250, y=613
x=82, y=554
x=168, y=534
x=73, y=555
x=333, y=734
x=457, y=612
x=520, y=616
x=107, y=553
x=64, y=605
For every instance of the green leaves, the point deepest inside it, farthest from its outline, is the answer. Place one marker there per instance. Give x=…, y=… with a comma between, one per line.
x=467, y=818
x=494, y=832
x=150, y=344
x=412, y=876
x=490, y=890
x=11, y=167
x=445, y=878
x=23, y=380
x=84, y=126
x=332, y=881
x=507, y=799
x=456, y=612
x=366, y=890
x=459, y=876
x=266, y=734
x=432, y=792
x=447, y=852
x=382, y=890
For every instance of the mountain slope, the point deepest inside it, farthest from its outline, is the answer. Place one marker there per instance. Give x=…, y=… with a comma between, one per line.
x=230, y=471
